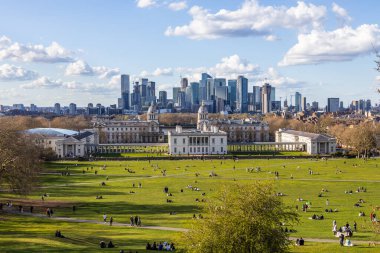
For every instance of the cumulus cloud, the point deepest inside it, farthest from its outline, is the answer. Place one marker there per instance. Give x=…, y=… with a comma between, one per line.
x=341, y=13
x=145, y=3
x=177, y=6
x=81, y=67
x=251, y=19
x=273, y=77
x=13, y=73
x=343, y=44
x=99, y=88
x=158, y=72
x=33, y=53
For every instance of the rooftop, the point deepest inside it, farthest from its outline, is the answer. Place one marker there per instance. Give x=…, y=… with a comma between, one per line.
x=54, y=132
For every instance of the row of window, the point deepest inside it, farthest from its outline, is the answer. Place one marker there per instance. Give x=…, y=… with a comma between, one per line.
x=196, y=140
x=129, y=129
x=197, y=150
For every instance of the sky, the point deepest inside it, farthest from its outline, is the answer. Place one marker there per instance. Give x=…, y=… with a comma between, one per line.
x=74, y=51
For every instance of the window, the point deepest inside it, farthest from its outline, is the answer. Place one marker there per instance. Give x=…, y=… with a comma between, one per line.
x=221, y=140
x=213, y=149
x=206, y=149
x=175, y=150
x=78, y=150
x=175, y=140
x=191, y=149
x=184, y=150
x=213, y=140
x=221, y=149
x=49, y=142
x=184, y=141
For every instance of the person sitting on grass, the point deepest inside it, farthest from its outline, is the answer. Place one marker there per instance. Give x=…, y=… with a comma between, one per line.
x=302, y=242
x=102, y=244
x=110, y=245
x=148, y=246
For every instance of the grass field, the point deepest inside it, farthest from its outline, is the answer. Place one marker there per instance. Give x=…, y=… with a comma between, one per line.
x=121, y=200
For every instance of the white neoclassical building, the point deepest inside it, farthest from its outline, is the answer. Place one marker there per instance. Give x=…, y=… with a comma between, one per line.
x=205, y=140
x=310, y=142
x=64, y=142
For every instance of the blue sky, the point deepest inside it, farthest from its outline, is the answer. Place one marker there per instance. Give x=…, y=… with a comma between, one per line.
x=74, y=51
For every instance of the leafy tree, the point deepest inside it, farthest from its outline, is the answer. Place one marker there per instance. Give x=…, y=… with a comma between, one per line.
x=242, y=218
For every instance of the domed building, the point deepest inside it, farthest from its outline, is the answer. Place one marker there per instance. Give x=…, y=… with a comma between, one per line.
x=203, y=122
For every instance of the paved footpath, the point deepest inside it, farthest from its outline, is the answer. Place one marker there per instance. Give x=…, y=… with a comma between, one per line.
x=118, y=224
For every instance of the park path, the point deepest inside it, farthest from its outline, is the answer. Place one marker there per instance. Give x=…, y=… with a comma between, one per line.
x=118, y=224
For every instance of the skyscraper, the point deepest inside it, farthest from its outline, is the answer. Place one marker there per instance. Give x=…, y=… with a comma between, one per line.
x=202, y=87
x=232, y=93
x=176, y=90
x=194, y=93
x=266, y=103
x=72, y=109
x=125, y=91
x=298, y=101
x=163, y=98
x=184, y=83
x=303, y=104
x=332, y=104
x=256, y=98
x=57, y=108
x=242, y=94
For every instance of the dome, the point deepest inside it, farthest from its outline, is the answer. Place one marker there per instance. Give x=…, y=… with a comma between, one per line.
x=53, y=132
x=202, y=108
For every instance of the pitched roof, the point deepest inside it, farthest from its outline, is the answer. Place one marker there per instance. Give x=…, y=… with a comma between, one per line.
x=82, y=135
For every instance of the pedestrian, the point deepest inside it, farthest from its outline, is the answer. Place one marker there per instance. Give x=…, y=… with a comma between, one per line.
x=105, y=218
x=327, y=202
x=111, y=220
x=131, y=220
x=136, y=220
x=355, y=225
x=341, y=239
x=74, y=208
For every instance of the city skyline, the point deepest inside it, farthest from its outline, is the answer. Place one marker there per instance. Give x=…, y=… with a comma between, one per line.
x=61, y=57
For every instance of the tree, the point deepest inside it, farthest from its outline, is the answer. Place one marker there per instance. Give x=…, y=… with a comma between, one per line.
x=19, y=160
x=242, y=218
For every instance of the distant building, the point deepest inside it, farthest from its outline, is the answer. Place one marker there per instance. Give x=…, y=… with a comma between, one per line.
x=298, y=102
x=266, y=105
x=197, y=142
x=72, y=109
x=332, y=104
x=310, y=142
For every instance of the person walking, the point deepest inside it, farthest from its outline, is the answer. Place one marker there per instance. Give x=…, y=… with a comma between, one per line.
x=341, y=239
x=105, y=218
x=131, y=220
x=111, y=220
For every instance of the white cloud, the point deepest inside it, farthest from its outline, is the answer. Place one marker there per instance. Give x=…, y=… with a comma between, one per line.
x=81, y=67
x=343, y=44
x=145, y=3
x=341, y=13
x=43, y=82
x=251, y=19
x=158, y=72
x=13, y=73
x=33, y=53
x=99, y=88
x=177, y=6
x=274, y=78
x=378, y=79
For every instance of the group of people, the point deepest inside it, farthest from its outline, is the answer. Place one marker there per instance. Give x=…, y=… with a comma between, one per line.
x=317, y=217
x=300, y=242
x=102, y=244
x=165, y=246
x=135, y=221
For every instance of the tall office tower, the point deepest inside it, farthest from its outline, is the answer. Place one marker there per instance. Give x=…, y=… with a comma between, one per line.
x=184, y=83
x=251, y=102
x=151, y=92
x=272, y=93
x=266, y=103
x=202, y=87
x=219, y=82
x=176, y=90
x=194, y=93
x=90, y=105
x=136, y=97
x=314, y=106
x=368, y=105
x=232, y=93
x=286, y=102
x=257, y=98
x=125, y=92
x=57, y=108
x=303, y=104
x=221, y=96
x=341, y=106
x=182, y=99
x=72, y=109
x=242, y=94
x=163, y=98
x=188, y=92
x=332, y=104
x=298, y=101
x=142, y=87
x=210, y=89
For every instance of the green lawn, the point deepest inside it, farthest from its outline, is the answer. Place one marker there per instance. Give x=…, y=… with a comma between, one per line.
x=150, y=202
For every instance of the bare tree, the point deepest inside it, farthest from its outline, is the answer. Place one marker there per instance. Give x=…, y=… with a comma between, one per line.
x=19, y=160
